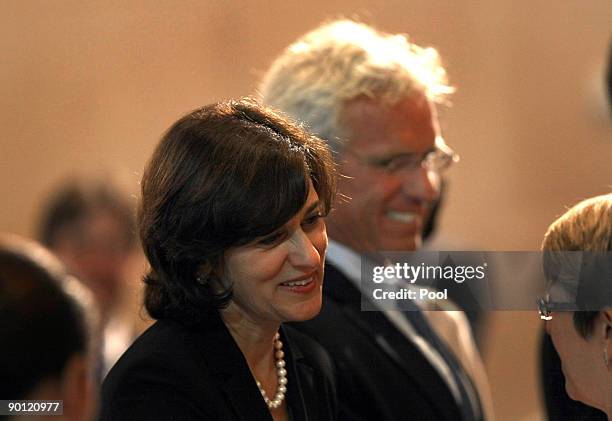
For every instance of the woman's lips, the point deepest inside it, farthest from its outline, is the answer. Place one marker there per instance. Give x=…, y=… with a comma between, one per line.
x=302, y=286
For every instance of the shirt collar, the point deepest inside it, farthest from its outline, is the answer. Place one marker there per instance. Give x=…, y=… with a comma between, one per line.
x=345, y=260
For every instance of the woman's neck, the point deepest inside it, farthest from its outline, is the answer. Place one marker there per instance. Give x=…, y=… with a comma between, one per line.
x=254, y=338
x=256, y=341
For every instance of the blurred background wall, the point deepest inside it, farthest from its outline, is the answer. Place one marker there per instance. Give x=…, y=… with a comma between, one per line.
x=88, y=87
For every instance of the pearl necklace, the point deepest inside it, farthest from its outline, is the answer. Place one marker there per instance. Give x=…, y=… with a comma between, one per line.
x=281, y=375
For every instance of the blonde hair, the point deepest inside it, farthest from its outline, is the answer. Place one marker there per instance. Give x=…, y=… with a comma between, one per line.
x=587, y=226
x=344, y=60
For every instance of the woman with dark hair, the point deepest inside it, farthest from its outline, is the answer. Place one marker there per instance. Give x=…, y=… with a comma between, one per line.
x=45, y=334
x=582, y=338
x=231, y=222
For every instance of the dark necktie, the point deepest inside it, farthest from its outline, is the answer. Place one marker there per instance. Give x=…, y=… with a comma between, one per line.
x=470, y=409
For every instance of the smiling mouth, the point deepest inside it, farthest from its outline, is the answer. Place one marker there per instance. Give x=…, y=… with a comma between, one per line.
x=300, y=283
x=301, y=286
x=403, y=217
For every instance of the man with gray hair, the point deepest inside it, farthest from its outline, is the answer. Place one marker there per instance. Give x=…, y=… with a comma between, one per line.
x=372, y=96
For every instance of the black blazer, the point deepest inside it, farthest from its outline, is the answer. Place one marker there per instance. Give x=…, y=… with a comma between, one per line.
x=175, y=372
x=381, y=375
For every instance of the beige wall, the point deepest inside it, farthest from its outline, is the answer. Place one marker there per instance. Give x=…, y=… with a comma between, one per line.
x=90, y=86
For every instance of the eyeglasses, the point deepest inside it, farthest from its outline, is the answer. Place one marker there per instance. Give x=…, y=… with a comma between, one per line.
x=556, y=300
x=437, y=159
x=545, y=307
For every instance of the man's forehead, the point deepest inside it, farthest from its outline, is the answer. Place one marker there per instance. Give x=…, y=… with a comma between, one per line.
x=409, y=125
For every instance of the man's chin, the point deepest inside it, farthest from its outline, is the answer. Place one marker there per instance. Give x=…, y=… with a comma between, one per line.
x=400, y=244
x=386, y=242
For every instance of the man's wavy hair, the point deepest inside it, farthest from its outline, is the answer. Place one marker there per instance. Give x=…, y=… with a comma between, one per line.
x=220, y=177
x=343, y=60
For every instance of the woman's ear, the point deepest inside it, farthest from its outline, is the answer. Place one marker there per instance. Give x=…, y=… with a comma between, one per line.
x=203, y=275
x=77, y=389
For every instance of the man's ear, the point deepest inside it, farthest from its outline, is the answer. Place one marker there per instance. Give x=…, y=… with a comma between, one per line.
x=77, y=389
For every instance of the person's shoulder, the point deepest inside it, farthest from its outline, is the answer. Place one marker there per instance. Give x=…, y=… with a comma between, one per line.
x=154, y=376
x=161, y=338
x=161, y=350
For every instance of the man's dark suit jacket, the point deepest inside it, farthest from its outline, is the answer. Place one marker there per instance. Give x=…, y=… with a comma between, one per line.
x=175, y=372
x=381, y=375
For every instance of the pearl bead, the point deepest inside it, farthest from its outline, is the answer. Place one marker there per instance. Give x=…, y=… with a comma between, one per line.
x=281, y=374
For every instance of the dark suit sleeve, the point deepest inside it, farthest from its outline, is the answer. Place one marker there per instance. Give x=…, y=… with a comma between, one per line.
x=149, y=389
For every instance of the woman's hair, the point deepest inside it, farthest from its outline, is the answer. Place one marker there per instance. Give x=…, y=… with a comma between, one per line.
x=43, y=322
x=220, y=177
x=585, y=227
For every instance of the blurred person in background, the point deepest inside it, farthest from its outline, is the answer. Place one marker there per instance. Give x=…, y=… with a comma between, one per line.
x=371, y=96
x=582, y=339
x=46, y=331
x=91, y=228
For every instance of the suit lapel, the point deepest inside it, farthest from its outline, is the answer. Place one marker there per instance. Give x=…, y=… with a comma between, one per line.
x=300, y=380
x=226, y=362
x=390, y=340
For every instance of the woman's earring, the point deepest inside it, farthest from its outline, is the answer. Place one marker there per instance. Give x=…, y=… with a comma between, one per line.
x=201, y=279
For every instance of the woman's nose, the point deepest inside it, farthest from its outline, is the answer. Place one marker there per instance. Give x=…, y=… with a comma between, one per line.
x=304, y=253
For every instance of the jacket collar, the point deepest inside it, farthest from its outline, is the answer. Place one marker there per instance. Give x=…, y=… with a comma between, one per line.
x=226, y=362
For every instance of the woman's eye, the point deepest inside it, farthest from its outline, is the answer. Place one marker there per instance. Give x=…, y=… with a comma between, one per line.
x=312, y=219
